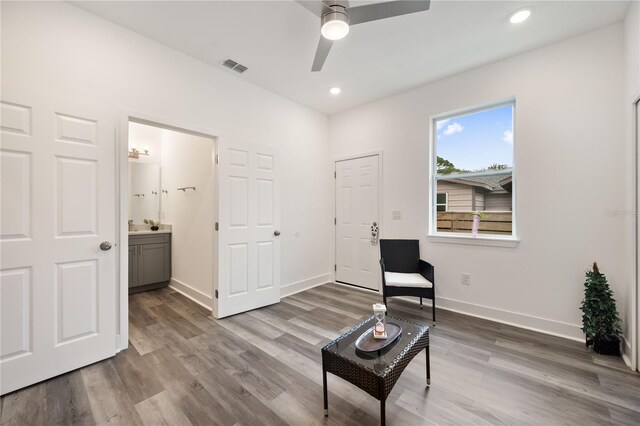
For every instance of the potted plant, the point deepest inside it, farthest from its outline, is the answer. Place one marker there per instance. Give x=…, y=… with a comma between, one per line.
x=154, y=225
x=600, y=321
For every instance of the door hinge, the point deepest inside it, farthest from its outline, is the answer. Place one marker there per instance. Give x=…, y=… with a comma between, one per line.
x=335, y=221
x=335, y=267
x=217, y=226
x=216, y=294
x=334, y=175
x=217, y=158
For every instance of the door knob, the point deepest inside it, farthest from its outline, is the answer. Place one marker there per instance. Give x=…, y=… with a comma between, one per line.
x=276, y=232
x=105, y=245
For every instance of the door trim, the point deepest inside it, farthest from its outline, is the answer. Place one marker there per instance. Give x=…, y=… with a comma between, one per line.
x=122, y=206
x=635, y=287
x=380, y=154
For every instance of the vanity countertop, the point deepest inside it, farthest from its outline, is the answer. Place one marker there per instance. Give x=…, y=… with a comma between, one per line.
x=148, y=231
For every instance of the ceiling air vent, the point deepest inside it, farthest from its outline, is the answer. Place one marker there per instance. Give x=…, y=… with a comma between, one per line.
x=240, y=68
x=233, y=65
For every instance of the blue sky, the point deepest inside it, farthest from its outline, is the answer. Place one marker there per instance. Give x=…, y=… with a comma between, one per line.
x=477, y=140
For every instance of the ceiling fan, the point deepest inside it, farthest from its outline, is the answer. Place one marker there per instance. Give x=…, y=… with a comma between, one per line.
x=336, y=16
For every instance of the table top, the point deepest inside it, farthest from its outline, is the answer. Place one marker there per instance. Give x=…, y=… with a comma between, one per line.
x=383, y=361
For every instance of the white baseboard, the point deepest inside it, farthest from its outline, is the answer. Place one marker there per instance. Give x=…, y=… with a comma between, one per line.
x=626, y=352
x=530, y=322
x=297, y=287
x=197, y=296
x=286, y=290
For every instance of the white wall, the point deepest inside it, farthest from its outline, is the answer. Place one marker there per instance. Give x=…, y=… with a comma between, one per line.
x=58, y=50
x=631, y=94
x=571, y=169
x=188, y=160
x=632, y=50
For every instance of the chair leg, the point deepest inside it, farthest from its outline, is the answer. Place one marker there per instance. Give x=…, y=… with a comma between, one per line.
x=421, y=303
x=428, y=366
x=433, y=309
x=324, y=391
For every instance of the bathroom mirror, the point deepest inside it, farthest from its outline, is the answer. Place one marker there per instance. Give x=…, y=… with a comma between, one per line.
x=144, y=192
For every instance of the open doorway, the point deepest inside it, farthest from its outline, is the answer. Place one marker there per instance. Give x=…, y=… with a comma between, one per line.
x=171, y=213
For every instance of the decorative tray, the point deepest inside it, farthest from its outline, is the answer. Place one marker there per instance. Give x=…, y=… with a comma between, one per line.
x=367, y=343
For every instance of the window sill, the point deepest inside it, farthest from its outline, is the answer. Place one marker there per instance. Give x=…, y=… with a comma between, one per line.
x=480, y=240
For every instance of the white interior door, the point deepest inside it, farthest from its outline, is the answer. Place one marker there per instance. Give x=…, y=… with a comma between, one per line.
x=357, y=196
x=57, y=287
x=249, y=216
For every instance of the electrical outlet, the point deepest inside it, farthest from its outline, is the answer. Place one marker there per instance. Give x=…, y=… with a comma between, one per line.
x=396, y=215
x=466, y=278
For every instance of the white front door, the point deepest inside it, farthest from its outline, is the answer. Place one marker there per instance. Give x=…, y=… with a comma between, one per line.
x=249, y=216
x=357, y=196
x=57, y=287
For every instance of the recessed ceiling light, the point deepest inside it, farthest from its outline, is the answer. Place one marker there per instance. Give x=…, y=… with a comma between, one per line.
x=335, y=90
x=520, y=16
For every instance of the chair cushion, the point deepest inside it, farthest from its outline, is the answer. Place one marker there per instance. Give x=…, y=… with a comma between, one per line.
x=396, y=279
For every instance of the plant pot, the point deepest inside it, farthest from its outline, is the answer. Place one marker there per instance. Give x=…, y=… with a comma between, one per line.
x=155, y=228
x=607, y=347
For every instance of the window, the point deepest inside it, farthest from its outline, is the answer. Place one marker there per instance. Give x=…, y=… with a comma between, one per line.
x=441, y=201
x=473, y=172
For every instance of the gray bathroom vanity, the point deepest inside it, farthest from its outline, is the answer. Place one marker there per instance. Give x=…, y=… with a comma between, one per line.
x=149, y=260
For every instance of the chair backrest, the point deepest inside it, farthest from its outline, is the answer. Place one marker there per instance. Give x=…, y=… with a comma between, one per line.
x=400, y=255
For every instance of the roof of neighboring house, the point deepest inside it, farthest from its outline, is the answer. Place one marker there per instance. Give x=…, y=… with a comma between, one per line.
x=507, y=182
x=490, y=182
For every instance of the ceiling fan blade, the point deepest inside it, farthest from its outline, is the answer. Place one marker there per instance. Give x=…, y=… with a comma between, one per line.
x=376, y=11
x=324, y=46
x=317, y=7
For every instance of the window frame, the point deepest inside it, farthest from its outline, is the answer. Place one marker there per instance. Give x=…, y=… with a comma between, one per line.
x=482, y=239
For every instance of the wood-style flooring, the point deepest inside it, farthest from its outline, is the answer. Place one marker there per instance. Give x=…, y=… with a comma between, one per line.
x=264, y=367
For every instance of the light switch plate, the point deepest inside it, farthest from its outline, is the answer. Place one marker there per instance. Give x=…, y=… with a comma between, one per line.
x=396, y=215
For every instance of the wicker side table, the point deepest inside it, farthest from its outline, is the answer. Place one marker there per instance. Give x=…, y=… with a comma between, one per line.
x=375, y=373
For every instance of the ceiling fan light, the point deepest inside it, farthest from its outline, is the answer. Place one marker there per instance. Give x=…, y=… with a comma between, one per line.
x=335, y=25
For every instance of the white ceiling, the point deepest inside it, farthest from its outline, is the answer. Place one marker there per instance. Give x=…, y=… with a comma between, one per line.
x=277, y=41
